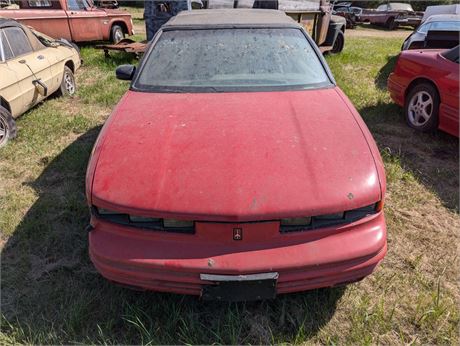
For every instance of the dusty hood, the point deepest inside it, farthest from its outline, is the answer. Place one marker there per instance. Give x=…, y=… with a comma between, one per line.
x=234, y=156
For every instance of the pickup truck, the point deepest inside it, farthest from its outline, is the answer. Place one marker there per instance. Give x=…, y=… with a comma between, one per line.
x=74, y=20
x=392, y=15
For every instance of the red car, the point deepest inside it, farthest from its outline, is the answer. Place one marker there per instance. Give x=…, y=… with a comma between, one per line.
x=234, y=168
x=425, y=83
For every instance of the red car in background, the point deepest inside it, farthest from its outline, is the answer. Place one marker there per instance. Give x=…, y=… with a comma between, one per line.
x=426, y=84
x=246, y=171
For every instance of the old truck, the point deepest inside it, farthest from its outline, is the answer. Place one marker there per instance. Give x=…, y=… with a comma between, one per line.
x=326, y=29
x=391, y=15
x=74, y=20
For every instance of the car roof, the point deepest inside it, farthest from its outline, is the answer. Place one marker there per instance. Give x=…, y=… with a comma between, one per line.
x=231, y=17
x=443, y=18
x=4, y=22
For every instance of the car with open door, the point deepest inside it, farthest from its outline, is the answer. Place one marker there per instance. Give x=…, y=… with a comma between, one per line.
x=426, y=84
x=247, y=172
x=33, y=66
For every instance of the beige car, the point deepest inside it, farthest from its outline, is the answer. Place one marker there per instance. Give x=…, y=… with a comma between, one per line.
x=32, y=67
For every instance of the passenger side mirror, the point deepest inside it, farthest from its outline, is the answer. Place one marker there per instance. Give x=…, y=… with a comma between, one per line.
x=125, y=72
x=40, y=87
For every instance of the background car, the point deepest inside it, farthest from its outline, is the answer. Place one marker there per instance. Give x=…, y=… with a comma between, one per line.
x=246, y=169
x=426, y=84
x=447, y=27
x=32, y=67
x=346, y=11
x=391, y=15
x=74, y=20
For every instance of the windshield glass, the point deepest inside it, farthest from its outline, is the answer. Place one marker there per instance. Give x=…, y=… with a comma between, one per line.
x=445, y=26
x=401, y=7
x=232, y=60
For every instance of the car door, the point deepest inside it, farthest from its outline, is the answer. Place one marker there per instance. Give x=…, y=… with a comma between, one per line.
x=449, y=90
x=85, y=22
x=28, y=65
x=9, y=86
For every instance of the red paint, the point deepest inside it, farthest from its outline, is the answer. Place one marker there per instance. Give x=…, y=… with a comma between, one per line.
x=430, y=65
x=236, y=157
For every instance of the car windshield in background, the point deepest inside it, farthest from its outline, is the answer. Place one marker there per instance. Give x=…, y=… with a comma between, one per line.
x=401, y=7
x=232, y=60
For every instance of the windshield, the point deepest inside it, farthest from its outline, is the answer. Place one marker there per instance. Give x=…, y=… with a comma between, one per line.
x=401, y=7
x=232, y=60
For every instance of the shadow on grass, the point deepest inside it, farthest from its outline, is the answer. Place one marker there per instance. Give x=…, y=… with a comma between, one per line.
x=431, y=157
x=51, y=293
x=384, y=72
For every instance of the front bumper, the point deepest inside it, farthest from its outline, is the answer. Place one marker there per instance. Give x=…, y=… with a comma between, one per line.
x=408, y=21
x=158, y=261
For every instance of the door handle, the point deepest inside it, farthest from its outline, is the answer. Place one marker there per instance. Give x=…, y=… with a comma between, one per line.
x=40, y=57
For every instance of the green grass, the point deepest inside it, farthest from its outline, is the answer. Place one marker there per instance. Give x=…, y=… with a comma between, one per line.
x=51, y=293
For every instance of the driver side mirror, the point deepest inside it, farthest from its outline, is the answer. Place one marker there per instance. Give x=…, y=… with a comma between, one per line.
x=41, y=88
x=125, y=72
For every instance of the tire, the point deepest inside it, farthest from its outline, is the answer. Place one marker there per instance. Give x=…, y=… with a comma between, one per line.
x=338, y=43
x=117, y=33
x=422, y=107
x=7, y=126
x=391, y=24
x=68, y=86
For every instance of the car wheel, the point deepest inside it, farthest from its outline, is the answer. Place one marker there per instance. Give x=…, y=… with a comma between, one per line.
x=7, y=126
x=117, y=33
x=338, y=43
x=391, y=24
x=422, y=107
x=68, y=86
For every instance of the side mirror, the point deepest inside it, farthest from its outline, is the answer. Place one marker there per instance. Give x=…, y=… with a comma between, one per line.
x=40, y=87
x=125, y=72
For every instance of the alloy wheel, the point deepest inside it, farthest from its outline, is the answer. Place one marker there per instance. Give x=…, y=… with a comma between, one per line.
x=420, y=108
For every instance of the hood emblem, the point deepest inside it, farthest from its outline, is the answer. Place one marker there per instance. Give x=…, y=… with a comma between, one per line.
x=237, y=234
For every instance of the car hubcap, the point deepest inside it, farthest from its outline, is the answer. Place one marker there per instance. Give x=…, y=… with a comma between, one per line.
x=69, y=84
x=3, y=131
x=420, y=108
x=118, y=35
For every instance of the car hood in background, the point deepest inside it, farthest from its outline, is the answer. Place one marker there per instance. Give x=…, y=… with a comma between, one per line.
x=234, y=156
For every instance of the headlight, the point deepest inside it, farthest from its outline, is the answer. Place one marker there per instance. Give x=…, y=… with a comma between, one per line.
x=133, y=218
x=335, y=216
x=151, y=223
x=172, y=223
x=328, y=220
x=296, y=221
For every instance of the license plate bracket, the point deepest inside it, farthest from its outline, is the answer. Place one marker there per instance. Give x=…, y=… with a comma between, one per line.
x=235, y=288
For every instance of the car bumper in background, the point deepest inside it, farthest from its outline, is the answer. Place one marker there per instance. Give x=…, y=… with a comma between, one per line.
x=150, y=260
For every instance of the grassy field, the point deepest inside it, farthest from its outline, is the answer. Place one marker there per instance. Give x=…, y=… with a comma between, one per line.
x=50, y=292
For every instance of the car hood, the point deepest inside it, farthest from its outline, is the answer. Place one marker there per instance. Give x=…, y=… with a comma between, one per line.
x=234, y=156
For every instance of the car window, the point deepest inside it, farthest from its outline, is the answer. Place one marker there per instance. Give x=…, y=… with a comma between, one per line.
x=5, y=50
x=452, y=54
x=445, y=26
x=40, y=3
x=382, y=8
x=232, y=59
x=400, y=7
x=77, y=5
x=18, y=41
x=423, y=29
